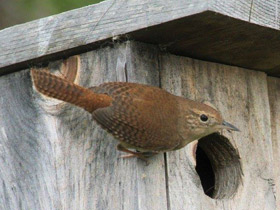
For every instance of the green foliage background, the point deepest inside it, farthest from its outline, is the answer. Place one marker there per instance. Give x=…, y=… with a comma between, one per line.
x=14, y=12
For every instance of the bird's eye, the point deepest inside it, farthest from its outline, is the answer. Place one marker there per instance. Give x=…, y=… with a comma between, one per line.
x=203, y=118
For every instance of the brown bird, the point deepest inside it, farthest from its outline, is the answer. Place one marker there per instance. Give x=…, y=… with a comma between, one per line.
x=141, y=117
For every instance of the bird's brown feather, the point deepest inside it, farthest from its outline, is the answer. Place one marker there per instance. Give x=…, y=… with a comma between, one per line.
x=59, y=88
x=135, y=115
x=143, y=117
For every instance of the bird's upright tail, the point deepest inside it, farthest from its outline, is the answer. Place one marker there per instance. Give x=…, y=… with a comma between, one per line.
x=59, y=88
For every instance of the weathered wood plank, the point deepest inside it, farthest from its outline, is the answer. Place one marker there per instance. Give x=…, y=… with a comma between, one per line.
x=242, y=98
x=261, y=12
x=27, y=171
x=78, y=28
x=217, y=36
x=274, y=100
x=239, y=9
x=53, y=156
x=266, y=13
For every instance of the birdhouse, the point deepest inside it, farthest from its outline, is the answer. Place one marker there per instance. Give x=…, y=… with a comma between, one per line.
x=221, y=53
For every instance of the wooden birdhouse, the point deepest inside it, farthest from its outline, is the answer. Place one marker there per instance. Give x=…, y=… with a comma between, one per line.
x=54, y=156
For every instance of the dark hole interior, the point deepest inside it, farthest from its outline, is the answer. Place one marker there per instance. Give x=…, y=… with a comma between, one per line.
x=205, y=172
x=218, y=166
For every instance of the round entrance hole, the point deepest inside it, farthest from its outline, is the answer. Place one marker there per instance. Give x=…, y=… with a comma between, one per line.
x=218, y=166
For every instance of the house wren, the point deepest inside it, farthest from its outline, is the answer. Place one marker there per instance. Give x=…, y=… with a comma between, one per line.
x=141, y=117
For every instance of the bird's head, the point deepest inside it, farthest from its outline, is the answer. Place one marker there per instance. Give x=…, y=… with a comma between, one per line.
x=202, y=119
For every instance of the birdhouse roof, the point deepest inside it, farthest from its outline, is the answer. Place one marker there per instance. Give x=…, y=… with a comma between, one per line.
x=229, y=32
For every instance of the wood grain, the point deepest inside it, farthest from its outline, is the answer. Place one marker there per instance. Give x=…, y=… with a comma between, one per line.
x=242, y=98
x=27, y=170
x=82, y=29
x=260, y=12
x=239, y=9
x=274, y=99
x=266, y=13
x=53, y=156
x=103, y=179
x=223, y=32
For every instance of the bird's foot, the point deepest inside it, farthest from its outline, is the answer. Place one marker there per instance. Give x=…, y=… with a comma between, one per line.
x=128, y=156
x=141, y=155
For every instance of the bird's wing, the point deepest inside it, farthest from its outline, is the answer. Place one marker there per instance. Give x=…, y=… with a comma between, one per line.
x=139, y=116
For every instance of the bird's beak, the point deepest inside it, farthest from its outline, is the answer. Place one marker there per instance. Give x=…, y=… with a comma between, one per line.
x=229, y=126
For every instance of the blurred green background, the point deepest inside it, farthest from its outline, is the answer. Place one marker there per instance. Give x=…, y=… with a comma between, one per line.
x=14, y=12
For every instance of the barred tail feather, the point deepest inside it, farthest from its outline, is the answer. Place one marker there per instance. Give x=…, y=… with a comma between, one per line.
x=59, y=88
